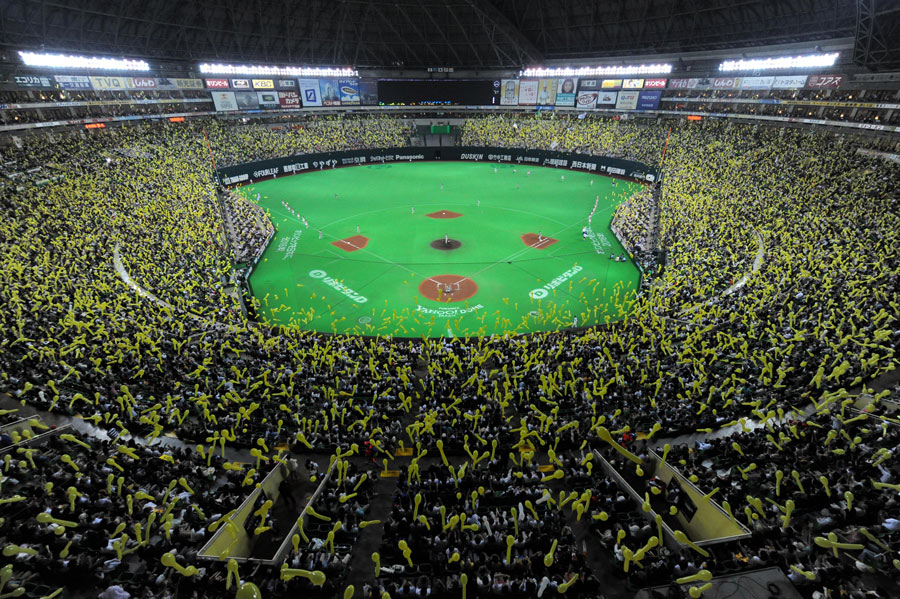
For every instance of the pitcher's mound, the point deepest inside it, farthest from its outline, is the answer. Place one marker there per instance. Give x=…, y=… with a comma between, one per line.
x=448, y=288
x=450, y=244
x=537, y=242
x=351, y=244
x=444, y=214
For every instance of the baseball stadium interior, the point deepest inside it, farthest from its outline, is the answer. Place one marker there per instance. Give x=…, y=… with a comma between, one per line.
x=450, y=298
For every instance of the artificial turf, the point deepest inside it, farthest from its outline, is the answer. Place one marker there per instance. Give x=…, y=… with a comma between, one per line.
x=370, y=285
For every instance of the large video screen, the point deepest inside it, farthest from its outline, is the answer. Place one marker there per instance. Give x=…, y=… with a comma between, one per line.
x=431, y=92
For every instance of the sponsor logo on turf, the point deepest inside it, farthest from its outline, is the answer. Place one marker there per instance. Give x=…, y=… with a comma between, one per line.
x=288, y=245
x=542, y=292
x=338, y=286
x=448, y=312
x=600, y=242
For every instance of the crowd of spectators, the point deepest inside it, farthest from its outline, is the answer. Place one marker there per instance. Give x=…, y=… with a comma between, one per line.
x=237, y=143
x=808, y=225
x=249, y=225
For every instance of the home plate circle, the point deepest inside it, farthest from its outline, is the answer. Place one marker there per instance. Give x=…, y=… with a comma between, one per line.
x=448, y=288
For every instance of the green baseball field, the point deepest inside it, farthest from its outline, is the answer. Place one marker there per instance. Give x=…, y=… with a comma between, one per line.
x=442, y=249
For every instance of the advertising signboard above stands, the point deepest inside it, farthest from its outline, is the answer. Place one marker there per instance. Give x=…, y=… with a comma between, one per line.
x=509, y=92
x=286, y=84
x=73, y=81
x=246, y=100
x=649, y=100
x=183, y=83
x=109, y=83
x=611, y=84
x=217, y=83
x=348, y=89
x=289, y=100
x=368, y=91
x=33, y=81
x=309, y=92
x=547, y=92
x=654, y=83
x=586, y=99
x=789, y=82
x=142, y=82
x=263, y=84
x=268, y=99
x=824, y=81
x=607, y=98
x=632, y=84
x=240, y=84
x=528, y=92
x=328, y=89
x=726, y=83
x=682, y=83
x=757, y=83
x=627, y=100
x=224, y=101
x=565, y=91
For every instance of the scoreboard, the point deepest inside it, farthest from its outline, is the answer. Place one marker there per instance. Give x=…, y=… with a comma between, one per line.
x=438, y=92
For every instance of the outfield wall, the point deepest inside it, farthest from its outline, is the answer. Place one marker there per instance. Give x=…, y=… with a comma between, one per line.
x=291, y=165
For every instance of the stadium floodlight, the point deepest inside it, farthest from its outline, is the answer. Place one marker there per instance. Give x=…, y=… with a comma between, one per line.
x=240, y=69
x=637, y=69
x=63, y=61
x=809, y=61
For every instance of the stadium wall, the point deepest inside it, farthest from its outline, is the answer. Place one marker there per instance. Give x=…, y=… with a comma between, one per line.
x=291, y=165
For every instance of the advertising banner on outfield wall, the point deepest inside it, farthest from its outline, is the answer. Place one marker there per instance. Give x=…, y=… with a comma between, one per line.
x=328, y=88
x=565, y=91
x=224, y=101
x=757, y=82
x=289, y=100
x=627, y=101
x=586, y=99
x=509, y=92
x=73, y=81
x=789, y=82
x=309, y=92
x=528, y=92
x=349, y=91
x=264, y=169
x=824, y=81
x=649, y=100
